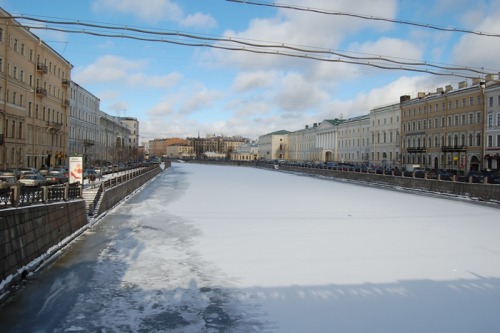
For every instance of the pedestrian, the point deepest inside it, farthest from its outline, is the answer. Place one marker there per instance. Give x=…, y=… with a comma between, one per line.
x=92, y=180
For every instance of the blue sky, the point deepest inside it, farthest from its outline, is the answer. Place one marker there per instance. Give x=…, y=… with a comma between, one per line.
x=180, y=91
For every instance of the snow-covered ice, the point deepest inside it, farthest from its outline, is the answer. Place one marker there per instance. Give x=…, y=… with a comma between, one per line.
x=232, y=249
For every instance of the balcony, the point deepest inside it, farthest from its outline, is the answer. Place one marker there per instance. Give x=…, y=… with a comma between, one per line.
x=65, y=82
x=54, y=126
x=42, y=68
x=456, y=148
x=65, y=102
x=41, y=92
x=88, y=143
x=416, y=149
x=1, y=139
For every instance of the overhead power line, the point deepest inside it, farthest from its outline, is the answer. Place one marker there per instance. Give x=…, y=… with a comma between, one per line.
x=365, y=17
x=246, y=45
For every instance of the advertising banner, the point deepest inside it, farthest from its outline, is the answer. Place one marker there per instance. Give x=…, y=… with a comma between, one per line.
x=76, y=169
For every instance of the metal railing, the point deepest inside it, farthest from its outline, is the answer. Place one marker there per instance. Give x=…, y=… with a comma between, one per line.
x=21, y=197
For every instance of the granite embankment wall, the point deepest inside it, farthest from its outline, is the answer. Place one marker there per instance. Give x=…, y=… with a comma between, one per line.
x=28, y=235
x=115, y=194
x=483, y=192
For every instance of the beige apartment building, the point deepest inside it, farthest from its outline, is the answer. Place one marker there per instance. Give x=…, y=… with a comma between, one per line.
x=274, y=146
x=300, y=144
x=385, y=136
x=353, y=137
x=158, y=147
x=34, y=85
x=444, y=129
x=179, y=151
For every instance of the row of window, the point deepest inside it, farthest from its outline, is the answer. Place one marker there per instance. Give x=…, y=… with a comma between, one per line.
x=456, y=120
x=18, y=74
x=436, y=141
x=422, y=110
x=20, y=48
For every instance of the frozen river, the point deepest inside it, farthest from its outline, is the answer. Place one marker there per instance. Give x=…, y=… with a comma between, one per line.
x=232, y=249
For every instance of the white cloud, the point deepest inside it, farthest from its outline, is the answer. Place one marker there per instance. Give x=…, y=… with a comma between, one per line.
x=121, y=70
x=153, y=11
x=198, y=20
x=147, y=10
x=107, y=68
x=159, y=82
x=253, y=80
x=297, y=94
x=389, y=47
x=480, y=51
x=202, y=99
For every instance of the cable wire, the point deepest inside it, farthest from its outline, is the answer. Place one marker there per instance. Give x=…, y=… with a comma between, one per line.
x=245, y=45
x=365, y=17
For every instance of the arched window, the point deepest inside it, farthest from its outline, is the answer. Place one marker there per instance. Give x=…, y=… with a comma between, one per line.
x=470, y=139
x=478, y=139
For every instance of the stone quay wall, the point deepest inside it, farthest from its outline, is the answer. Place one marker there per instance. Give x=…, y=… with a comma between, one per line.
x=28, y=233
x=114, y=195
x=476, y=191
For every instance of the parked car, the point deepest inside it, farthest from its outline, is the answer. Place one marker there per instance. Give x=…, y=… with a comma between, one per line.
x=8, y=182
x=474, y=177
x=33, y=180
x=493, y=177
x=87, y=172
x=443, y=175
x=56, y=178
x=11, y=172
x=28, y=170
x=419, y=174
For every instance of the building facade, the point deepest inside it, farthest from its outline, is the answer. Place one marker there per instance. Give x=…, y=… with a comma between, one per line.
x=179, y=151
x=83, y=124
x=113, y=146
x=274, y=146
x=133, y=138
x=353, y=138
x=158, y=147
x=492, y=127
x=325, y=146
x=301, y=144
x=444, y=130
x=385, y=136
x=34, y=86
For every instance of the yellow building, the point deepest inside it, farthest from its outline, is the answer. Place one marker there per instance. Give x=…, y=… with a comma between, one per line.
x=179, y=151
x=444, y=129
x=34, y=85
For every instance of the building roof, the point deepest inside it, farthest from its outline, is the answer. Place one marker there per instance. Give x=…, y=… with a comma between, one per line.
x=281, y=132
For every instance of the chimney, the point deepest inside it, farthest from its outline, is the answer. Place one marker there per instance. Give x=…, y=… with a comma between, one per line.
x=421, y=95
x=440, y=90
x=404, y=98
x=489, y=77
x=476, y=80
x=462, y=84
x=448, y=88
